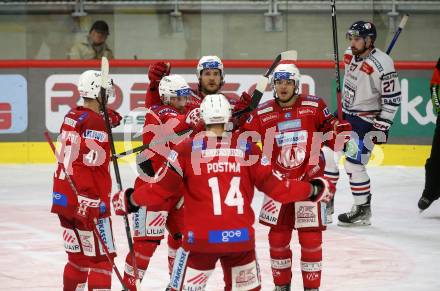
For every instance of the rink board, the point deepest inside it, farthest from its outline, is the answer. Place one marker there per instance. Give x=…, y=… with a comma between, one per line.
x=383, y=155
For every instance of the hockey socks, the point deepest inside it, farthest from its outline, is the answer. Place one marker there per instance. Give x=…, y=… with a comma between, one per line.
x=280, y=256
x=144, y=250
x=311, y=258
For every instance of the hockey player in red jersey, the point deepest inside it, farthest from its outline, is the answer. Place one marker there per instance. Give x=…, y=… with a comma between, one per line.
x=292, y=127
x=219, y=170
x=211, y=75
x=85, y=153
x=149, y=227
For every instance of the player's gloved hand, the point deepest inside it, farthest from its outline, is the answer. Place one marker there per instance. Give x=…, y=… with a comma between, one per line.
x=157, y=71
x=435, y=97
x=87, y=210
x=322, y=190
x=121, y=202
x=114, y=116
x=194, y=120
x=244, y=101
x=381, y=126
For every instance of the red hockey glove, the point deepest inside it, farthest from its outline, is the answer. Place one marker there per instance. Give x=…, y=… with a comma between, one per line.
x=121, y=202
x=323, y=190
x=114, y=116
x=381, y=126
x=244, y=101
x=87, y=210
x=157, y=71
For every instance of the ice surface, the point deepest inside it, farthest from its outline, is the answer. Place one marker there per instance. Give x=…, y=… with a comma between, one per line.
x=400, y=251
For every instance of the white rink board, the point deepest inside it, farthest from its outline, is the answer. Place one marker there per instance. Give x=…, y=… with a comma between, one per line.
x=401, y=251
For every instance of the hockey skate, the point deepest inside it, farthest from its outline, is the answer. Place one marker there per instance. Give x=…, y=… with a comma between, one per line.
x=168, y=288
x=358, y=216
x=311, y=289
x=282, y=288
x=424, y=203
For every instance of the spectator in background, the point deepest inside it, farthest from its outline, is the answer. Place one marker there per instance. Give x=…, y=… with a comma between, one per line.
x=432, y=166
x=94, y=45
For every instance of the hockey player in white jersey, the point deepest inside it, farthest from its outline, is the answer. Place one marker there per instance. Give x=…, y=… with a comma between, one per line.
x=371, y=98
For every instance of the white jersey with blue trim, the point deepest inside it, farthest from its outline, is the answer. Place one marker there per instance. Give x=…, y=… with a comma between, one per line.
x=371, y=86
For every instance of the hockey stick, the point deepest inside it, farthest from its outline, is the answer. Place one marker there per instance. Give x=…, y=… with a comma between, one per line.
x=95, y=231
x=336, y=58
x=397, y=33
x=291, y=55
x=104, y=84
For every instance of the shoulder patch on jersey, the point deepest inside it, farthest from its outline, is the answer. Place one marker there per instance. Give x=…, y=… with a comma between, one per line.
x=389, y=76
x=376, y=62
x=83, y=116
x=95, y=135
x=70, y=122
x=265, y=110
x=326, y=112
x=367, y=68
x=347, y=58
x=309, y=103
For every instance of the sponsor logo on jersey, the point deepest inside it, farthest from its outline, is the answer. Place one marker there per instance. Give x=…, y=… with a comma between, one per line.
x=326, y=112
x=95, y=135
x=172, y=156
x=306, y=111
x=210, y=153
x=309, y=103
x=291, y=157
x=306, y=214
x=265, y=110
x=314, y=98
x=290, y=124
x=288, y=115
x=347, y=58
x=289, y=138
x=87, y=242
x=389, y=76
x=375, y=62
x=71, y=243
x=367, y=68
x=59, y=199
x=228, y=236
x=69, y=121
x=269, y=117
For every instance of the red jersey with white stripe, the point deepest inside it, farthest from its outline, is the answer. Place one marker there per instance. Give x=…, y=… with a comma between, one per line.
x=219, y=174
x=85, y=152
x=287, y=133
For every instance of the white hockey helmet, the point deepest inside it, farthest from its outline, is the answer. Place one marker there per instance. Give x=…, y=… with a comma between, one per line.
x=210, y=62
x=215, y=109
x=286, y=72
x=173, y=86
x=89, y=84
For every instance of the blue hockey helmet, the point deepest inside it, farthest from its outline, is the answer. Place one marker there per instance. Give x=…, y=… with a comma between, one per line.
x=362, y=29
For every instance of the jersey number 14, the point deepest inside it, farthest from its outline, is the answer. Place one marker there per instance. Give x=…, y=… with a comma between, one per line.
x=234, y=198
